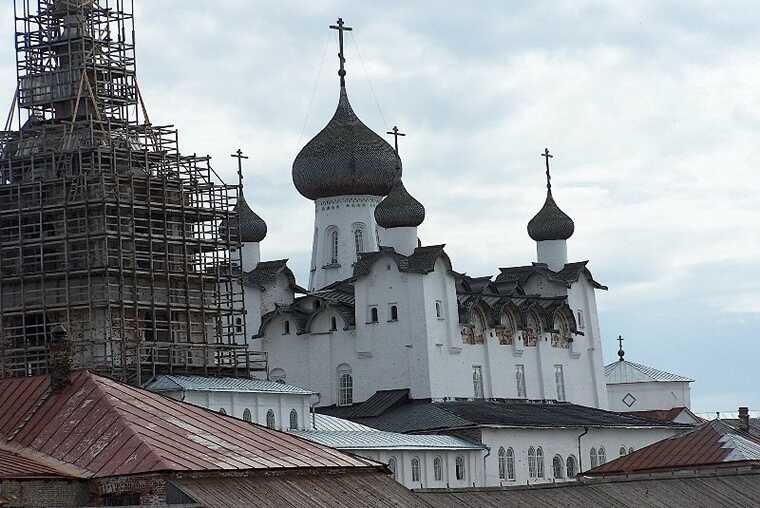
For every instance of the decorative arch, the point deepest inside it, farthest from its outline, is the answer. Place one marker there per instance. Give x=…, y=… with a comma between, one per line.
x=293, y=419
x=508, y=324
x=558, y=467
x=572, y=466
x=270, y=419
x=563, y=327
x=532, y=327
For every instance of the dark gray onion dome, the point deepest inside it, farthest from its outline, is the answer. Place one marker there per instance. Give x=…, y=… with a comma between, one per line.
x=252, y=227
x=399, y=209
x=550, y=223
x=345, y=158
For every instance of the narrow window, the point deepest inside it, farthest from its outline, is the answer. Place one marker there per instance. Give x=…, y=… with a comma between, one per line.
x=345, y=386
x=437, y=469
x=438, y=309
x=334, y=247
x=594, y=458
x=510, y=464
x=392, y=467
x=572, y=469
x=415, y=469
x=559, y=381
x=477, y=381
x=502, y=463
x=557, y=467
x=602, y=455
x=333, y=324
x=286, y=328
x=247, y=415
x=540, y=462
x=358, y=241
x=581, y=325
x=270, y=419
x=293, y=419
x=394, y=313
x=460, y=468
x=532, y=462
x=520, y=381
x=622, y=451
x=373, y=315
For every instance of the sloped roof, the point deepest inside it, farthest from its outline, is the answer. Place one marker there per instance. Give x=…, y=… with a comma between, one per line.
x=663, y=415
x=754, y=425
x=711, y=444
x=570, y=273
x=623, y=371
x=423, y=415
x=376, y=439
x=422, y=260
x=333, y=423
x=107, y=428
x=172, y=383
x=266, y=272
x=15, y=465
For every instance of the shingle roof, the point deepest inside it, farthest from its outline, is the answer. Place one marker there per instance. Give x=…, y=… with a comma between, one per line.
x=550, y=223
x=420, y=415
x=399, y=209
x=266, y=272
x=345, y=158
x=711, y=444
x=570, y=273
x=422, y=259
x=623, y=371
x=170, y=383
x=106, y=428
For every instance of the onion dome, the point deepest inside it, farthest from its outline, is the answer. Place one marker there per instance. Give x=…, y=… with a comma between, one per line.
x=550, y=223
x=399, y=209
x=252, y=227
x=345, y=158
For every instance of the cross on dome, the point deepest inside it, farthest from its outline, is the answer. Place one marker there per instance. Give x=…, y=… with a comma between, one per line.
x=547, y=156
x=621, y=353
x=239, y=156
x=341, y=28
x=395, y=133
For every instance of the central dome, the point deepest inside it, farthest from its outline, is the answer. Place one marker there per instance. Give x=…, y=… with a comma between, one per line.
x=345, y=158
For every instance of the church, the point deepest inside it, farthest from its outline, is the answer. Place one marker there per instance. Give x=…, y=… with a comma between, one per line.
x=389, y=329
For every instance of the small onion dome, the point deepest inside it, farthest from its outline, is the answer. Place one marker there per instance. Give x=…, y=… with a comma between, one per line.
x=252, y=227
x=399, y=209
x=550, y=223
x=345, y=158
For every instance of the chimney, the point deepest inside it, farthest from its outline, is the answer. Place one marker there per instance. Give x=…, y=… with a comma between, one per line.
x=744, y=419
x=59, y=361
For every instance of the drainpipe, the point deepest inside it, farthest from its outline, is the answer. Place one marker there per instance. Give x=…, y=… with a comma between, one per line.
x=313, y=414
x=580, y=454
x=485, y=477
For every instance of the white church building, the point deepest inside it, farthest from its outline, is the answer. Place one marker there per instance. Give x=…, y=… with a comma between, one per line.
x=386, y=314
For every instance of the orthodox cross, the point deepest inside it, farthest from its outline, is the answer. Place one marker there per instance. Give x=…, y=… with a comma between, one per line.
x=239, y=156
x=621, y=353
x=340, y=28
x=547, y=156
x=395, y=133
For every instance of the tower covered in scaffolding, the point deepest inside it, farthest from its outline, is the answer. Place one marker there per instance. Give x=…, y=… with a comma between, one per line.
x=105, y=227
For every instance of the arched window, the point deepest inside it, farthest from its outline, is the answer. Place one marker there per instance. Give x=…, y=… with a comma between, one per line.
x=394, y=313
x=510, y=464
x=247, y=414
x=437, y=469
x=373, y=315
x=286, y=327
x=392, y=466
x=572, y=468
x=415, y=469
x=438, y=309
x=460, y=468
x=558, y=467
x=358, y=240
x=630, y=450
x=333, y=323
x=502, y=463
x=222, y=411
x=602, y=455
x=345, y=386
x=277, y=375
x=293, y=419
x=622, y=451
x=532, y=462
x=334, y=247
x=270, y=419
x=540, y=462
x=594, y=458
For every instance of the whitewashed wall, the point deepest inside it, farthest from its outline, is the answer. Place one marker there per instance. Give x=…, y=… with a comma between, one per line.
x=649, y=395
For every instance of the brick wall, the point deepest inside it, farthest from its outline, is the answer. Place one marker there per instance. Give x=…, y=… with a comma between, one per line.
x=44, y=493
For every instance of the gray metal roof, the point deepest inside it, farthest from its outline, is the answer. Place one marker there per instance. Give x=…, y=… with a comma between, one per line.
x=620, y=372
x=399, y=209
x=375, y=439
x=345, y=158
x=172, y=383
x=335, y=424
x=550, y=223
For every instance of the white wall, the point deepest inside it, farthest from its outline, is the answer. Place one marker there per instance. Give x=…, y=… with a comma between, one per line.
x=473, y=460
x=649, y=395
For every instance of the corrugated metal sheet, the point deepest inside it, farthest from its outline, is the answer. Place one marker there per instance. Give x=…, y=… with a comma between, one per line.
x=172, y=383
x=363, y=440
x=108, y=428
x=712, y=443
x=736, y=490
x=13, y=465
x=355, y=490
x=630, y=372
x=332, y=423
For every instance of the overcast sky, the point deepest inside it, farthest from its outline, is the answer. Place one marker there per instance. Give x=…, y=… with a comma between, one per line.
x=652, y=110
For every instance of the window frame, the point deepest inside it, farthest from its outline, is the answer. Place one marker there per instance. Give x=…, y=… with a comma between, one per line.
x=459, y=469
x=558, y=467
x=393, y=312
x=439, y=309
x=345, y=385
x=293, y=418
x=502, y=463
x=602, y=453
x=593, y=457
x=271, y=419
x=247, y=415
x=511, y=476
x=415, y=467
x=559, y=382
x=540, y=462
x=532, y=468
x=438, y=469
x=568, y=468
x=334, y=246
x=374, y=314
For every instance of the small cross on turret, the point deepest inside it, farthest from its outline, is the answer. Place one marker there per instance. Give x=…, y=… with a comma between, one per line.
x=547, y=156
x=395, y=133
x=621, y=353
x=239, y=156
x=340, y=28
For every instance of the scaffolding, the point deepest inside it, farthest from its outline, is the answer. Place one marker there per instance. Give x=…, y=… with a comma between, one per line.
x=105, y=227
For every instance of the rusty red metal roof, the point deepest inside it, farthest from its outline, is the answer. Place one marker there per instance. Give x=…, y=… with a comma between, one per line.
x=14, y=465
x=107, y=428
x=663, y=415
x=711, y=444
